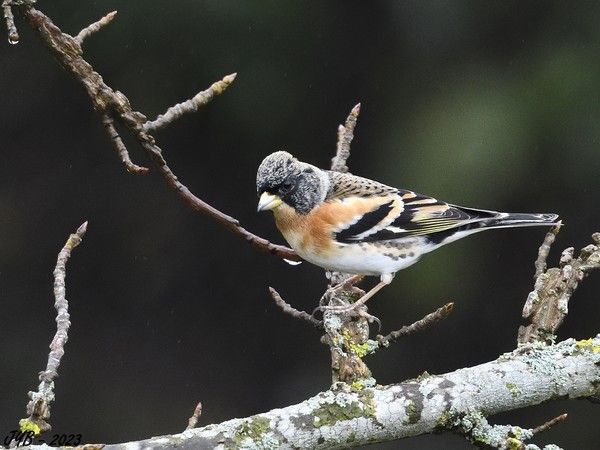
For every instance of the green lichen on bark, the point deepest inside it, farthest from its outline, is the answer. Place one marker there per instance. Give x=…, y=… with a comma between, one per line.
x=253, y=429
x=412, y=413
x=513, y=389
x=445, y=421
x=331, y=412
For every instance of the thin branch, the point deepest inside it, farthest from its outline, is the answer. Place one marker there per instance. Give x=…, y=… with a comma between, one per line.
x=120, y=147
x=550, y=423
x=193, y=420
x=475, y=427
x=419, y=325
x=106, y=100
x=344, y=139
x=9, y=18
x=289, y=309
x=544, y=250
x=38, y=408
x=191, y=105
x=95, y=27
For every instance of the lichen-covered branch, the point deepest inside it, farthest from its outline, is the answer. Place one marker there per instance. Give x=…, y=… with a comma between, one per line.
x=114, y=104
x=38, y=407
x=548, y=304
x=344, y=417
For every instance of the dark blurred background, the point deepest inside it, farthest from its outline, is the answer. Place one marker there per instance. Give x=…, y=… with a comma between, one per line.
x=486, y=104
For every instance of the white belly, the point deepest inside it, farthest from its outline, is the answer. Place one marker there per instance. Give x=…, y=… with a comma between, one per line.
x=367, y=259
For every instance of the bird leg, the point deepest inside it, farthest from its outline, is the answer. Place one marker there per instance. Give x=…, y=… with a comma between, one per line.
x=359, y=302
x=348, y=282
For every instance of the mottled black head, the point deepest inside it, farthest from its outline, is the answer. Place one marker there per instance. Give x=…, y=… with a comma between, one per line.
x=282, y=178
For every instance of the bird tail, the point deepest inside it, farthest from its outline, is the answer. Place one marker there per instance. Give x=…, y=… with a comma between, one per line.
x=502, y=220
x=486, y=220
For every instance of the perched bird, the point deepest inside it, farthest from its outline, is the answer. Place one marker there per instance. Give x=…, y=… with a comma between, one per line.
x=346, y=223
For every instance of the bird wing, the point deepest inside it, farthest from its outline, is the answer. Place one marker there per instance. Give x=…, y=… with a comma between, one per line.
x=384, y=213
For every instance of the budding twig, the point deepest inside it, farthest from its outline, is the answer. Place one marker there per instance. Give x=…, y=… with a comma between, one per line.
x=39, y=406
x=419, y=325
x=193, y=420
x=95, y=27
x=344, y=139
x=289, y=309
x=191, y=105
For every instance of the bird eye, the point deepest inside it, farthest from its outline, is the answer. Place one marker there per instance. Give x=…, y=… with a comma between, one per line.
x=286, y=186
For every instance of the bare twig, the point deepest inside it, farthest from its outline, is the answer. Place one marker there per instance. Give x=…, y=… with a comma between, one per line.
x=419, y=325
x=13, y=34
x=120, y=148
x=191, y=105
x=39, y=406
x=106, y=100
x=95, y=27
x=193, y=420
x=344, y=139
x=289, y=309
x=544, y=250
x=550, y=423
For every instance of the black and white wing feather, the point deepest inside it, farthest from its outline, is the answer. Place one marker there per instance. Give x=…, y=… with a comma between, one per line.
x=388, y=213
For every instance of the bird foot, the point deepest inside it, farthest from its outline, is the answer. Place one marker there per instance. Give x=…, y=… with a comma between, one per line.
x=326, y=297
x=361, y=301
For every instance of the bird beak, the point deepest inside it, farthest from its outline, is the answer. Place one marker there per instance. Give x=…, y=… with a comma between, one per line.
x=268, y=201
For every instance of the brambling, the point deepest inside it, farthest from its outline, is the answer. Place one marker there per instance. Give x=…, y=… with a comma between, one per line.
x=345, y=223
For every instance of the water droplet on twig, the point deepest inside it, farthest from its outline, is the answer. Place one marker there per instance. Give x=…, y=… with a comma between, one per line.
x=292, y=263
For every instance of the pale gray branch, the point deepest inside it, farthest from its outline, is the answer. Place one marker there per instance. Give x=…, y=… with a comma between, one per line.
x=343, y=417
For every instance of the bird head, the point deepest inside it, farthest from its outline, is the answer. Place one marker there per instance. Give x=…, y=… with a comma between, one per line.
x=281, y=178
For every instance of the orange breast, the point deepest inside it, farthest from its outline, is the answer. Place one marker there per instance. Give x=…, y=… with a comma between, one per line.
x=313, y=232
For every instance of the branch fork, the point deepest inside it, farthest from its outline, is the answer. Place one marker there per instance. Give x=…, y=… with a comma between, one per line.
x=113, y=106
